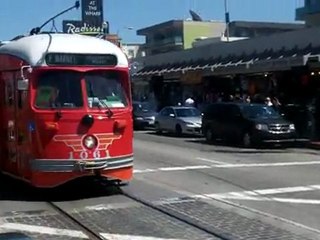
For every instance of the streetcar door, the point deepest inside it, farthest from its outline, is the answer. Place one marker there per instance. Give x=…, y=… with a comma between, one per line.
x=22, y=115
x=10, y=164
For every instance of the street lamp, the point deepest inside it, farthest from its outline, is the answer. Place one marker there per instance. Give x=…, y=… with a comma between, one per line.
x=124, y=28
x=227, y=18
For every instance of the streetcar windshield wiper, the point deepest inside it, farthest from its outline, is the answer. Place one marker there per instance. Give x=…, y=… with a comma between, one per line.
x=100, y=103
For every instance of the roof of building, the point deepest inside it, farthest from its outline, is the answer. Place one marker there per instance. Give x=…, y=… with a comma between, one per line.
x=274, y=25
x=33, y=49
x=170, y=23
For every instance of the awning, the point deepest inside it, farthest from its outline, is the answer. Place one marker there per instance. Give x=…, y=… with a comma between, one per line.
x=268, y=60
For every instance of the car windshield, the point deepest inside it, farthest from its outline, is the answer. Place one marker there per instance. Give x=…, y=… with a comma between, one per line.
x=105, y=90
x=187, y=112
x=59, y=89
x=259, y=112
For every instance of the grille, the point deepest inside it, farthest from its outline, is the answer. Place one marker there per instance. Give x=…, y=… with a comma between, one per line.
x=279, y=127
x=149, y=118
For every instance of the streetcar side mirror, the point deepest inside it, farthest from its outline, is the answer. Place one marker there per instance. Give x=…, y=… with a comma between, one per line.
x=23, y=84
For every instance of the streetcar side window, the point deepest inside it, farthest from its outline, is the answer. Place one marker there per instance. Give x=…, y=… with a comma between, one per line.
x=59, y=89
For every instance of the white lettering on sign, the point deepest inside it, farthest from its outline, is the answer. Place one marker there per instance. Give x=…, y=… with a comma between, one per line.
x=92, y=9
x=90, y=13
x=64, y=58
x=71, y=28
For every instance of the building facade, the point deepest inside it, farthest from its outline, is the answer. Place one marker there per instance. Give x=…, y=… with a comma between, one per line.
x=177, y=35
x=284, y=65
x=132, y=50
x=310, y=13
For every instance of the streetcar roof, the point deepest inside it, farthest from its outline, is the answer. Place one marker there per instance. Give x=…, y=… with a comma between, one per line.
x=33, y=49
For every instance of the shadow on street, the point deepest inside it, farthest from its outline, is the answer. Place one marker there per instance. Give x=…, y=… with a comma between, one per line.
x=83, y=188
x=223, y=147
x=173, y=135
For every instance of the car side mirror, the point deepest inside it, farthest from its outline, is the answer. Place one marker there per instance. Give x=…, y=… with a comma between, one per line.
x=172, y=115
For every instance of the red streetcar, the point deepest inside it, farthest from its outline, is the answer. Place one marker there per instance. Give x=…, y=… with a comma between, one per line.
x=65, y=109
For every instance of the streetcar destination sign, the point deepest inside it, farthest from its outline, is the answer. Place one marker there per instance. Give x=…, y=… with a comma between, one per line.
x=68, y=59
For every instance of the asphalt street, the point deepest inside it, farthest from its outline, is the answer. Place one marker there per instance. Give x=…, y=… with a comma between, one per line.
x=183, y=188
x=282, y=183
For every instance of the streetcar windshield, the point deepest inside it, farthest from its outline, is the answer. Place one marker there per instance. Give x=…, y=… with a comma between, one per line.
x=105, y=89
x=59, y=89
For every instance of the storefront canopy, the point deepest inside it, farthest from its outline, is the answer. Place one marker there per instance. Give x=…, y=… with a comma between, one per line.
x=274, y=53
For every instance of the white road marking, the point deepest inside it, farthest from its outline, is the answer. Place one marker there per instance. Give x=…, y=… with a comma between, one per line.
x=278, y=164
x=210, y=160
x=43, y=230
x=223, y=165
x=130, y=237
x=258, y=195
x=110, y=206
x=170, y=169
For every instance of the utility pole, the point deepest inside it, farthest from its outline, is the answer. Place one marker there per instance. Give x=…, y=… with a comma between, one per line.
x=227, y=18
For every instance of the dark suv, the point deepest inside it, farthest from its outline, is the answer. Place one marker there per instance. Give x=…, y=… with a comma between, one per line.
x=248, y=124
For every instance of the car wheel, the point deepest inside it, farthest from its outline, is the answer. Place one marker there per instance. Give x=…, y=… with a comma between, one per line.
x=247, y=140
x=158, y=128
x=178, y=130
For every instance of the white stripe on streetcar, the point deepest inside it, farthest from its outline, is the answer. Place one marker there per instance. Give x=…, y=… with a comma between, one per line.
x=43, y=230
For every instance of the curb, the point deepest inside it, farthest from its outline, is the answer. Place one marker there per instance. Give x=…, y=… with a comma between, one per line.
x=314, y=145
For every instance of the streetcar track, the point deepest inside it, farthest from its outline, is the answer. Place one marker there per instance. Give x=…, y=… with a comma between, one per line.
x=90, y=233
x=172, y=215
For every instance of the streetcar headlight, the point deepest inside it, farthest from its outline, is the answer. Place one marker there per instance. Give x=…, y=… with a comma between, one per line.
x=90, y=142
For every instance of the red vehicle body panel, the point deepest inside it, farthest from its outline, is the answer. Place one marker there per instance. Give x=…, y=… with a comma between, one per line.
x=46, y=150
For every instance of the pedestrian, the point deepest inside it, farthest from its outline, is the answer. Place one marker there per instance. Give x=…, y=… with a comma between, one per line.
x=268, y=101
x=189, y=102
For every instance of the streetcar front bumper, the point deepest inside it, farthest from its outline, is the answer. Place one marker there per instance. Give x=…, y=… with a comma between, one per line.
x=74, y=165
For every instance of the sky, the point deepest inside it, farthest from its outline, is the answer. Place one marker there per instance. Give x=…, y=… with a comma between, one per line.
x=126, y=16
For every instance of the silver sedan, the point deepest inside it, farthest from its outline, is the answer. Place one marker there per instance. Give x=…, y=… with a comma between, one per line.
x=180, y=120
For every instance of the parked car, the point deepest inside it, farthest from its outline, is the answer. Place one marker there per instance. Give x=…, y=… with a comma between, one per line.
x=143, y=115
x=248, y=124
x=180, y=120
